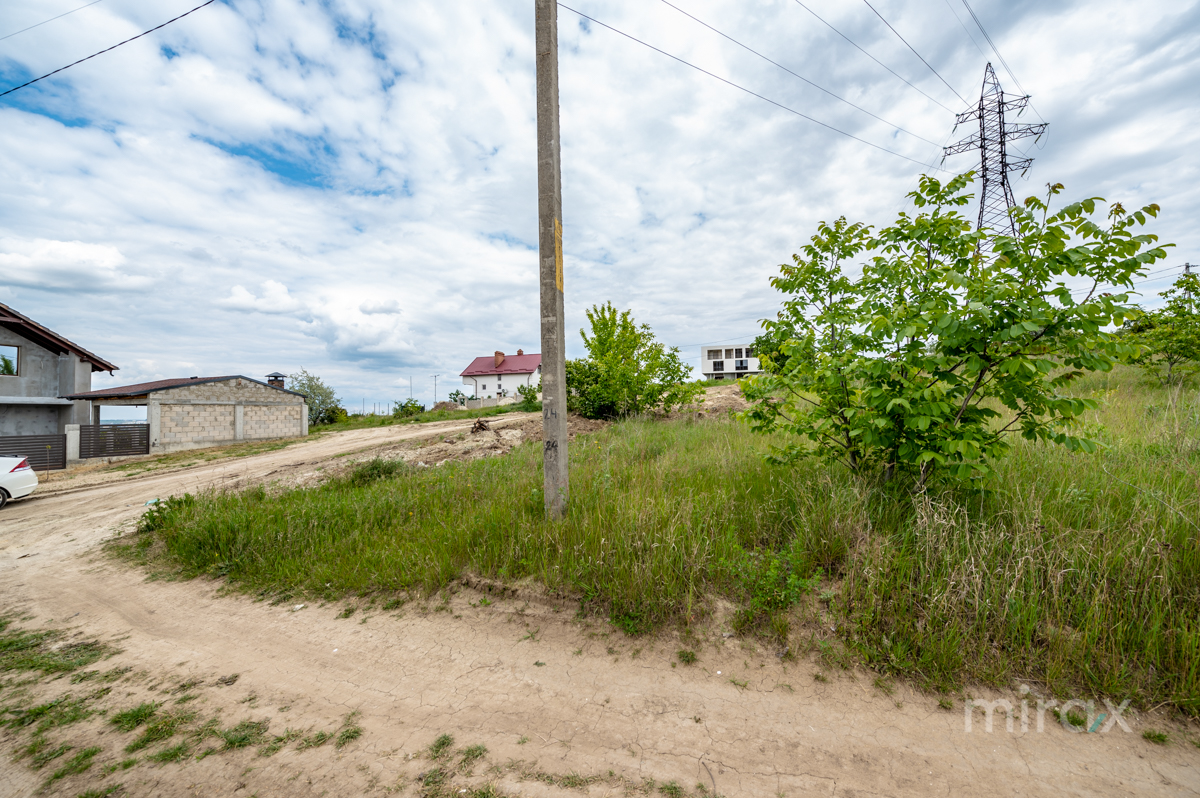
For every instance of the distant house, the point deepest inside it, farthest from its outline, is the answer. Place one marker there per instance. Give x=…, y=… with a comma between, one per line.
x=194, y=412
x=729, y=363
x=39, y=369
x=499, y=375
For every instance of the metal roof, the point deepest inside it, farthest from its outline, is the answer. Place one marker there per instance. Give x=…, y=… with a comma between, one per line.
x=144, y=388
x=47, y=338
x=512, y=364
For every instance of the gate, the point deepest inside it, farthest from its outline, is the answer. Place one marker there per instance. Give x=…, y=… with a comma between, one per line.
x=45, y=452
x=113, y=440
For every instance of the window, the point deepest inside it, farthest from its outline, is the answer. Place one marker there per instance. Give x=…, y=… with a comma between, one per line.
x=714, y=354
x=749, y=352
x=499, y=377
x=484, y=386
x=737, y=353
x=742, y=365
x=718, y=365
x=9, y=360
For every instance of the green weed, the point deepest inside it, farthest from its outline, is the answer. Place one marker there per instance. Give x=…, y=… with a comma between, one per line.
x=1156, y=737
x=315, y=740
x=129, y=719
x=23, y=650
x=686, y=656
x=244, y=734
x=440, y=746
x=173, y=754
x=159, y=728
x=77, y=764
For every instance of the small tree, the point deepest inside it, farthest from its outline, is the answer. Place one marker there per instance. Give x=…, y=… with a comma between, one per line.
x=626, y=372
x=529, y=402
x=937, y=353
x=320, y=397
x=407, y=408
x=1170, y=337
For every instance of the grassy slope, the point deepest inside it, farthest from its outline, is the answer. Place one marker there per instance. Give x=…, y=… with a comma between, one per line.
x=1077, y=570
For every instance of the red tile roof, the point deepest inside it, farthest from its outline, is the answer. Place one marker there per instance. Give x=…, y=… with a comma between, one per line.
x=512, y=364
x=160, y=385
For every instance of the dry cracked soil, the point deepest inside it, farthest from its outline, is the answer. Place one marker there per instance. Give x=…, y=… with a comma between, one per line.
x=535, y=700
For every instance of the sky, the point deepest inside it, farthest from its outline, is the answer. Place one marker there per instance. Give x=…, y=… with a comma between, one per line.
x=350, y=186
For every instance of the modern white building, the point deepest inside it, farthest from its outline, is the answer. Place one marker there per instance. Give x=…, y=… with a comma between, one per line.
x=499, y=375
x=728, y=362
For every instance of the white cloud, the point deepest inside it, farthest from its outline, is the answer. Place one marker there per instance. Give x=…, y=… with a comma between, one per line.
x=272, y=299
x=361, y=175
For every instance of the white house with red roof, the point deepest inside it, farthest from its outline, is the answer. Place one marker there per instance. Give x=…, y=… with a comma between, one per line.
x=499, y=375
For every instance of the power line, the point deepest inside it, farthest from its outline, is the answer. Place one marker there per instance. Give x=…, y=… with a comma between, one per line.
x=102, y=52
x=963, y=25
x=918, y=55
x=43, y=22
x=868, y=55
x=996, y=50
x=736, y=86
x=793, y=74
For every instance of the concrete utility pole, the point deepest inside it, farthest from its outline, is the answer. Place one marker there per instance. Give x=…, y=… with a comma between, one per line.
x=435, y=376
x=554, y=371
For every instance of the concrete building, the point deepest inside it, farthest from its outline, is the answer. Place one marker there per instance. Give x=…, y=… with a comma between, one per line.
x=729, y=362
x=38, y=369
x=499, y=375
x=194, y=412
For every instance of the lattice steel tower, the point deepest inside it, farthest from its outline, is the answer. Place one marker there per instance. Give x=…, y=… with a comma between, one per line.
x=992, y=141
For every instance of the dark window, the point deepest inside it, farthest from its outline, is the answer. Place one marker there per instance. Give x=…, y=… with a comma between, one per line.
x=10, y=361
x=742, y=365
x=718, y=365
x=749, y=352
x=737, y=353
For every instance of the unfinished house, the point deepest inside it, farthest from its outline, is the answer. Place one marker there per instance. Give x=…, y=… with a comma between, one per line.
x=194, y=412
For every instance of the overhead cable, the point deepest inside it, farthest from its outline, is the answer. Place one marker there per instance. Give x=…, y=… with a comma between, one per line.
x=738, y=87
x=966, y=30
x=793, y=74
x=996, y=50
x=43, y=22
x=868, y=55
x=102, y=52
x=918, y=55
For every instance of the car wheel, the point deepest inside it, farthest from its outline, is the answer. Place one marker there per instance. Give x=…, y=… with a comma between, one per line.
x=3, y=498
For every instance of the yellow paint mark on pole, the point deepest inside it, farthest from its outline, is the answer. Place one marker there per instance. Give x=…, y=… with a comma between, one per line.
x=558, y=258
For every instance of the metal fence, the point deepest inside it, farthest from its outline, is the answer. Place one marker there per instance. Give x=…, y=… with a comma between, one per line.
x=113, y=440
x=45, y=452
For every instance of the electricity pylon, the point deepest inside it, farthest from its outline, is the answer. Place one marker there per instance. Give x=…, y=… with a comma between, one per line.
x=992, y=141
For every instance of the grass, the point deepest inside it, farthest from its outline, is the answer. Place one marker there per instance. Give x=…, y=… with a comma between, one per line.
x=175, y=753
x=1082, y=571
x=22, y=650
x=686, y=656
x=129, y=719
x=315, y=740
x=245, y=734
x=1156, y=737
x=159, y=728
x=77, y=764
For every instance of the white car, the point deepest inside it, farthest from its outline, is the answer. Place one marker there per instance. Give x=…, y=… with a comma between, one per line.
x=17, y=479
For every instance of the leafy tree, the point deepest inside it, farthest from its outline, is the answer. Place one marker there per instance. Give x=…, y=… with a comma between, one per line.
x=320, y=396
x=407, y=408
x=626, y=372
x=768, y=347
x=952, y=339
x=458, y=397
x=8, y=366
x=1170, y=337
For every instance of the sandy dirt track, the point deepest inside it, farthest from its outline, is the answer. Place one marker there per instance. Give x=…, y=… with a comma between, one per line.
x=545, y=692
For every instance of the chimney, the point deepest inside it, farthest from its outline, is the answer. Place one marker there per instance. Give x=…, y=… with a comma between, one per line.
x=276, y=379
x=499, y=358
x=520, y=352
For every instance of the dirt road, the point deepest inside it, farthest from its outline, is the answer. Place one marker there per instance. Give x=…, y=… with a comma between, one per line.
x=563, y=705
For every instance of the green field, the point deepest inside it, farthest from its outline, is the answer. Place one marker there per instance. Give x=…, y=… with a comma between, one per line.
x=1078, y=571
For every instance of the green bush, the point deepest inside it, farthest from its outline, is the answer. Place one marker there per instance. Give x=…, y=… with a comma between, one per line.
x=626, y=372
x=407, y=409
x=952, y=341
